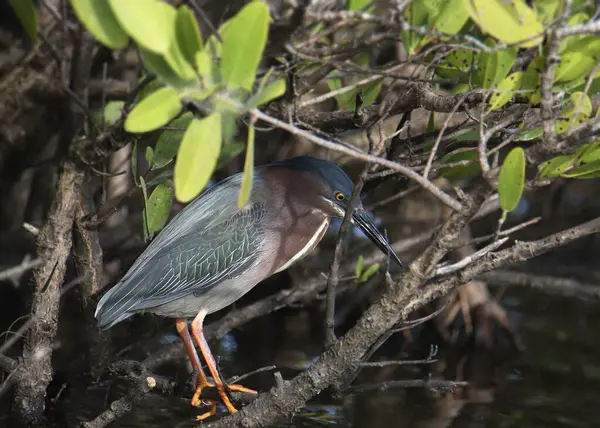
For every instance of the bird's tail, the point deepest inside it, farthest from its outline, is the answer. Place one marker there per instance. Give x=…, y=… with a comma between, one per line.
x=112, y=308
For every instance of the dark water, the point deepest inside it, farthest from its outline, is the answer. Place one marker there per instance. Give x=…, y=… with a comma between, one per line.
x=555, y=382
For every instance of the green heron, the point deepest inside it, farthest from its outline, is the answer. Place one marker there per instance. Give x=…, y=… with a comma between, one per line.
x=212, y=252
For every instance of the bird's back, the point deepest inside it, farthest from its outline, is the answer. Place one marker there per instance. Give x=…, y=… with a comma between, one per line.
x=209, y=241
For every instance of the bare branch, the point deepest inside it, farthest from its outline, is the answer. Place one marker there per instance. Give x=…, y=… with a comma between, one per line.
x=436, y=191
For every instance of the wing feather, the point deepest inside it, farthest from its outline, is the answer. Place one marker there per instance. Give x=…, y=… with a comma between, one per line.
x=192, y=254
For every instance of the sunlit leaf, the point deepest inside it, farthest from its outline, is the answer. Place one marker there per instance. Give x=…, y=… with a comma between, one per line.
x=359, y=5
x=359, y=267
x=588, y=170
x=448, y=16
x=416, y=14
x=27, y=14
x=157, y=65
x=157, y=210
x=578, y=60
x=591, y=152
x=248, y=176
x=511, y=180
x=98, y=18
x=367, y=274
x=197, y=156
x=271, y=91
x=147, y=22
x=244, y=40
x=531, y=134
x=567, y=42
x=456, y=62
x=187, y=33
x=556, y=166
x=112, y=112
x=546, y=9
x=493, y=67
x=506, y=90
x=207, y=67
x=154, y=111
x=510, y=21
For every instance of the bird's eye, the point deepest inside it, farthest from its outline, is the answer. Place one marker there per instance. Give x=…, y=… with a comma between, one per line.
x=340, y=196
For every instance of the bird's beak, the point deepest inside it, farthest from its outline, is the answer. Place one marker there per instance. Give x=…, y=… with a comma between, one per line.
x=361, y=218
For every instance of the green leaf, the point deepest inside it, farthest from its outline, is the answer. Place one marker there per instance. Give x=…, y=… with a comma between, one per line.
x=591, y=152
x=244, y=40
x=98, y=18
x=372, y=270
x=461, y=171
x=26, y=12
x=197, y=156
x=157, y=65
x=187, y=33
x=531, y=134
x=144, y=189
x=580, y=104
x=511, y=180
x=359, y=267
x=229, y=151
x=248, y=176
x=112, y=112
x=589, y=170
x=157, y=210
x=506, y=90
x=493, y=67
x=556, y=166
x=149, y=155
x=578, y=18
x=510, y=21
x=370, y=92
x=448, y=16
x=207, y=67
x=416, y=14
x=359, y=5
x=546, y=9
x=149, y=22
x=578, y=60
x=273, y=90
x=154, y=111
x=169, y=141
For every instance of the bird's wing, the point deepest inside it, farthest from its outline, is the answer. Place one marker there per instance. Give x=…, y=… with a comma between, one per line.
x=192, y=254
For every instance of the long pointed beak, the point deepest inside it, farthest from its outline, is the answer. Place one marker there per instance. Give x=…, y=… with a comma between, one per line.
x=361, y=218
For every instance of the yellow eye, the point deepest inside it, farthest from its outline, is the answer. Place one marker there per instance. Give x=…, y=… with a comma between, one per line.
x=340, y=196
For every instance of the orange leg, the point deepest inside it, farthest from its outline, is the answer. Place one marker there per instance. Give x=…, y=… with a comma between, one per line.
x=212, y=365
x=201, y=382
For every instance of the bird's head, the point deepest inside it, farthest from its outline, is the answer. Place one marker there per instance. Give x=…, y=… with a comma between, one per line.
x=335, y=190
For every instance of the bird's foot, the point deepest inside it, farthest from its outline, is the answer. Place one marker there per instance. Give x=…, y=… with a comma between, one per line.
x=240, y=388
x=211, y=412
x=196, y=401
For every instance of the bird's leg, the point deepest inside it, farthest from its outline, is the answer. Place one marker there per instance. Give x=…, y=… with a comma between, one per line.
x=201, y=380
x=212, y=365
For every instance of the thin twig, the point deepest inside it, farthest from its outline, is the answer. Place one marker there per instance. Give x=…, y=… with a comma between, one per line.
x=333, y=278
x=423, y=182
x=18, y=271
x=445, y=270
x=440, y=136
